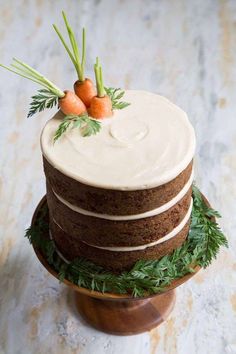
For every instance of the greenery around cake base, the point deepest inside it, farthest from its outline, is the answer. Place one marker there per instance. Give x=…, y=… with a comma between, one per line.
x=147, y=276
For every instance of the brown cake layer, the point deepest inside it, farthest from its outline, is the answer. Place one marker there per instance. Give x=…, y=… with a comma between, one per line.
x=114, y=202
x=102, y=232
x=116, y=261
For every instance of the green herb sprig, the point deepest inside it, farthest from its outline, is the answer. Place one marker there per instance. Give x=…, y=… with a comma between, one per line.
x=205, y=234
x=83, y=122
x=146, y=277
x=115, y=95
x=34, y=235
x=44, y=99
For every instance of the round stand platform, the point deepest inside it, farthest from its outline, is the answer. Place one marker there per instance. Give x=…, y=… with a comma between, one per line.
x=114, y=313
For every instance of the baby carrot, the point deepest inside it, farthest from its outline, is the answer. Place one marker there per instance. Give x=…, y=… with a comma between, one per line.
x=71, y=104
x=85, y=90
x=101, y=105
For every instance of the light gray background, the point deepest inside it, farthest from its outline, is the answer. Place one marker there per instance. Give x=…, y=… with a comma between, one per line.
x=185, y=50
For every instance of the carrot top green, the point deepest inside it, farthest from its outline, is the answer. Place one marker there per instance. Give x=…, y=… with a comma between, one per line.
x=20, y=68
x=46, y=97
x=99, y=79
x=74, y=52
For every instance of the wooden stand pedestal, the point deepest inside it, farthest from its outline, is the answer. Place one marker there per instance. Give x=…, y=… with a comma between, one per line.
x=125, y=317
x=114, y=313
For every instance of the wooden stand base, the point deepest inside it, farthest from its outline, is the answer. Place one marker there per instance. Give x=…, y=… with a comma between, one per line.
x=124, y=317
x=115, y=313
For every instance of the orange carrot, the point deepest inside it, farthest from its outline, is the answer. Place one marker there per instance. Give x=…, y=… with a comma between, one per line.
x=71, y=104
x=101, y=105
x=85, y=90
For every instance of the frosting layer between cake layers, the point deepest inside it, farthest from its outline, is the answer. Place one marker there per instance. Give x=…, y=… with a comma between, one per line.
x=114, y=260
x=146, y=214
x=124, y=194
x=106, y=232
x=168, y=236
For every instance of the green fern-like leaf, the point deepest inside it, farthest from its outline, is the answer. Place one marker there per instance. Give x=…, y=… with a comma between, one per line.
x=147, y=276
x=115, y=95
x=83, y=122
x=43, y=100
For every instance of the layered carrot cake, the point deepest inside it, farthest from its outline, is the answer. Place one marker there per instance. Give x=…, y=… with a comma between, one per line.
x=124, y=194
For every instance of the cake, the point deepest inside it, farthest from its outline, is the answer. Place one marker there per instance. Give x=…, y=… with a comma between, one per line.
x=119, y=173
x=124, y=194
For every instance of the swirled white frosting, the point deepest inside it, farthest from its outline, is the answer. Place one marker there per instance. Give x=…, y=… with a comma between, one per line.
x=145, y=145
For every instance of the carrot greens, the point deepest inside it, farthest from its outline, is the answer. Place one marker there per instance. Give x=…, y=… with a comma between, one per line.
x=46, y=97
x=147, y=276
x=74, y=52
x=99, y=79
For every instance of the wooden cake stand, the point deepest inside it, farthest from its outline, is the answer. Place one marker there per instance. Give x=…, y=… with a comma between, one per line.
x=114, y=313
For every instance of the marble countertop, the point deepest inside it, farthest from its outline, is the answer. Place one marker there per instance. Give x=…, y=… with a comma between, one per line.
x=185, y=50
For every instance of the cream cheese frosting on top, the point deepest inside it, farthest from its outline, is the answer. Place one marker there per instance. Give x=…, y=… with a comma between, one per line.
x=143, y=146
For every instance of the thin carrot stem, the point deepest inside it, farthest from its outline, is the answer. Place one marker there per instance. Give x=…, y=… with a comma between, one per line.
x=67, y=49
x=99, y=79
x=77, y=58
x=71, y=37
x=23, y=75
x=29, y=73
x=101, y=82
x=96, y=71
x=74, y=53
x=74, y=45
x=40, y=77
x=25, y=66
x=24, y=71
x=83, y=49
